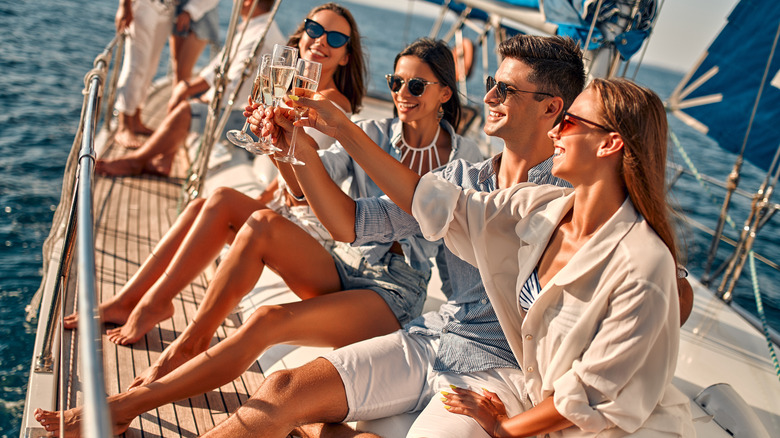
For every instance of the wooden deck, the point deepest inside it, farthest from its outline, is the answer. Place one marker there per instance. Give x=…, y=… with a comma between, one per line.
x=132, y=214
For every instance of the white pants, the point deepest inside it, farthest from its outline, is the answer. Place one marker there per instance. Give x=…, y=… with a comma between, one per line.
x=148, y=33
x=393, y=374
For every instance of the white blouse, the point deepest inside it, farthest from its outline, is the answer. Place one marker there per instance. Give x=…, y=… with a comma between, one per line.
x=602, y=337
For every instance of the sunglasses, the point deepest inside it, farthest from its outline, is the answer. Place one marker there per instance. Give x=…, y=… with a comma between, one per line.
x=502, y=89
x=567, y=121
x=315, y=30
x=416, y=86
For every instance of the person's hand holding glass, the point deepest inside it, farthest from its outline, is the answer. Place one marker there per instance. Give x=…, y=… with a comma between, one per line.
x=307, y=77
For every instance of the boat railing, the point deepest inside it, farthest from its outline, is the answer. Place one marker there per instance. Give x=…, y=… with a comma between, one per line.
x=73, y=227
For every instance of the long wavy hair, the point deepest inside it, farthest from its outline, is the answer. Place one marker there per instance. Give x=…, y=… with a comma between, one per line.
x=638, y=115
x=350, y=78
x=438, y=56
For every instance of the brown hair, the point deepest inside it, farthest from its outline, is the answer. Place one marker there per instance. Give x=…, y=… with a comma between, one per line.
x=556, y=64
x=350, y=78
x=638, y=115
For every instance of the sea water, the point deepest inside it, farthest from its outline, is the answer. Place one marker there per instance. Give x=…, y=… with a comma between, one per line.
x=47, y=46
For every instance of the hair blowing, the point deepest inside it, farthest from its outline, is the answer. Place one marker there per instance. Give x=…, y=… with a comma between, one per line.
x=637, y=114
x=438, y=56
x=350, y=78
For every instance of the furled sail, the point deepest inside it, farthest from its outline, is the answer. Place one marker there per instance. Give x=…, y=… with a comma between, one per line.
x=719, y=94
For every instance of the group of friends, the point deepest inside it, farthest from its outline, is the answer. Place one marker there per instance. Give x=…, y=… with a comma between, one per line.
x=557, y=256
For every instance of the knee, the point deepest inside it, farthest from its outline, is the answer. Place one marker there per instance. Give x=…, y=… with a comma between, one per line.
x=221, y=198
x=281, y=382
x=263, y=225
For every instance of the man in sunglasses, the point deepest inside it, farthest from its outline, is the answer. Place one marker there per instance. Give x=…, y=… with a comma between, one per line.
x=462, y=344
x=188, y=113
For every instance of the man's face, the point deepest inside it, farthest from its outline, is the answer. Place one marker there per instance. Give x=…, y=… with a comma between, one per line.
x=513, y=117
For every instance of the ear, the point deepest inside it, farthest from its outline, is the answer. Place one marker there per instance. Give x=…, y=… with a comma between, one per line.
x=554, y=108
x=446, y=94
x=612, y=146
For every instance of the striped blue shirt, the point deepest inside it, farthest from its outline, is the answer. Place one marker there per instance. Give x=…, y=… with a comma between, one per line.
x=471, y=338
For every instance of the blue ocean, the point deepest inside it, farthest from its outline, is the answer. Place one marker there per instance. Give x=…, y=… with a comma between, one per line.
x=47, y=46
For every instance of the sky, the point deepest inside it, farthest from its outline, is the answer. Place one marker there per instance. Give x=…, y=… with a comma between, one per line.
x=684, y=28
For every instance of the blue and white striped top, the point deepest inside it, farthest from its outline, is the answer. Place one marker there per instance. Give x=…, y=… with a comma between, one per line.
x=530, y=291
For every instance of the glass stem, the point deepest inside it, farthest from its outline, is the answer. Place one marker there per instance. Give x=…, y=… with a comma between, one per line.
x=291, y=152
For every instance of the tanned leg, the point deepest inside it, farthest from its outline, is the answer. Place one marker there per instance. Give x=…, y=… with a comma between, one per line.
x=171, y=133
x=178, y=259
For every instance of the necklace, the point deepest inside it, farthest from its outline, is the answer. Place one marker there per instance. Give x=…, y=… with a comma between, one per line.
x=421, y=151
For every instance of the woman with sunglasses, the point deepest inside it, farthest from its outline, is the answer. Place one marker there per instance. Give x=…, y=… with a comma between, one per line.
x=351, y=294
x=583, y=280
x=206, y=225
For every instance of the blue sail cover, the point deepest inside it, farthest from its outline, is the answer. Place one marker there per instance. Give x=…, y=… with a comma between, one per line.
x=740, y=54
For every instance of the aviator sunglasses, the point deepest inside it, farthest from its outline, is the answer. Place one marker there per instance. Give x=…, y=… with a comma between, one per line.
x=416, y=86
x=315, y=30
x=502, y=89
x=567, y=122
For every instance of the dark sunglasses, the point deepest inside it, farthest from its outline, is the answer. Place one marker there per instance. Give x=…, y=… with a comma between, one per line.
x=416, y=86
x=502, y=89
x=315, y=30
x=567, y=121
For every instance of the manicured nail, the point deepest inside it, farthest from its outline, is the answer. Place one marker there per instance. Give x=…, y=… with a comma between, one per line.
x=485, y=390
x=444, y=399
x=445, y=393
x=447, y=407
x=453, y=387
x=293, y=97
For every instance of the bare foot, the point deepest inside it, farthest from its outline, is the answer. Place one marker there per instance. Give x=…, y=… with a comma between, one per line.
x=113, y=311
x=141, y=129
x=72, y=421
x=128, y=139
x=140, y=321
x=119, y=166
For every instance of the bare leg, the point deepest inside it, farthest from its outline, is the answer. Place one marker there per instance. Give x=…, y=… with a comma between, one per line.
x=330, y=430
x=171, y=133
x=266, y=238
x=184, y=54
x=331, y=320
x=287, y=399
x=193, y=242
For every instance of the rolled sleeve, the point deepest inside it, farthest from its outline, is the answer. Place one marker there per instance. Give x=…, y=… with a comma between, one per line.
x=433, y=205
x=380, y=220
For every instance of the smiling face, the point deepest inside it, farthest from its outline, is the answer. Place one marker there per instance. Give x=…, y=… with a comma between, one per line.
x=318, y=49
x=576, y=148
x=519, y=113
x=412, y=108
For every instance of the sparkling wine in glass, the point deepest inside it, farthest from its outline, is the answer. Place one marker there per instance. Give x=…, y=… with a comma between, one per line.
x=240, y=137
x=307, y=77
x=261, y=93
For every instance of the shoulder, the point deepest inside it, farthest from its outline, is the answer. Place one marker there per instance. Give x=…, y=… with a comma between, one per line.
x=460, y=171
x=379, y=130
x=338, y=99
x=463, y=147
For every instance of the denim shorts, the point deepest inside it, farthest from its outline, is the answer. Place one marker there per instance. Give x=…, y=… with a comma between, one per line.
x=404, y=289
x=207, y=28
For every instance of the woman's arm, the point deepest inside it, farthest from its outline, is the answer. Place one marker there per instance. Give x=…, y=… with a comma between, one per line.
x=490, y=413
x=395, y=179
x=334, y=208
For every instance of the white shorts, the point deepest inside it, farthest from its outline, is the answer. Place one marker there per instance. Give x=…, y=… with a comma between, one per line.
x=393, y=374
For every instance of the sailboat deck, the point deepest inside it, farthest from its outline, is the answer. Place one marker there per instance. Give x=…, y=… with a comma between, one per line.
x=132, y=214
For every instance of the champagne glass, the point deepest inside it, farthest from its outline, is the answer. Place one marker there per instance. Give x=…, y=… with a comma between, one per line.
x=262, y=91
x=241, y=138
x=307, y=77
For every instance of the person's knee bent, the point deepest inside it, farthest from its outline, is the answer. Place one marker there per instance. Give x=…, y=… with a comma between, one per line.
x=263, y=227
